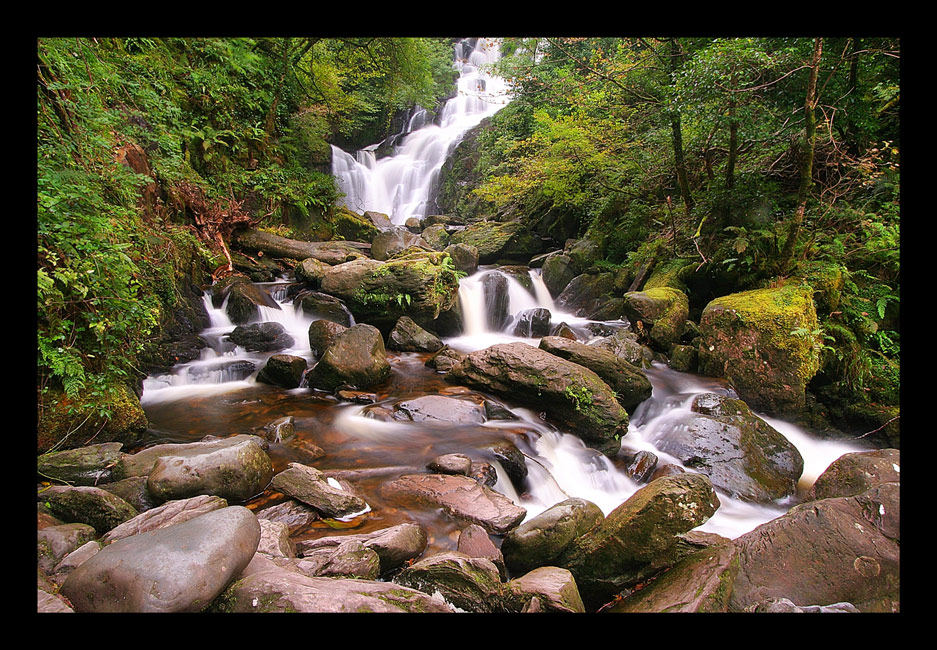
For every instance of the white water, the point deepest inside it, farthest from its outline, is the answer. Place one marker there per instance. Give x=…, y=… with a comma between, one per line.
x=400, y=185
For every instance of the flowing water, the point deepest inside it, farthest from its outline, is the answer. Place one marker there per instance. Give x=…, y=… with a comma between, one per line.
x=218, y=394
x=401, y=185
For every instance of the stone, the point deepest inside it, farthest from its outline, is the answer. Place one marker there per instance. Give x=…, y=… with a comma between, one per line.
x=261, y=337
x=439, y=409
x=624, y=344
x=451, y=464
x=436, y=236
x=349, y=559
x=388, y=243
x=533, y=323
x=284, y=370
x=310, y=272
x=464, y=257
x=683, y=358
x=170, y=513
x=275, y=539
x=322, y=333
x=557, y=272
x=663, y=311
x=554, y=589
x=356, y=357
x=475, y=542
x=56, y=542
x=469, y=583
x=585, y=294
x=179, y=568
x=856, y=472
x=322, y=305
x=88, y=465
x=460, y=497
x=395, y=546
x=444, y=359
x=407, y=336
x=294, y=514
x=642, y=466
x=87, y=505
x=309, y=485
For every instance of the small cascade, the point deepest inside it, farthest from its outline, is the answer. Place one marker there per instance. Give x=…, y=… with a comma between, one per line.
x=401, y=185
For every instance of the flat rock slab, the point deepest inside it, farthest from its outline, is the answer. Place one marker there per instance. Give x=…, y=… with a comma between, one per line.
x=168, y=514
x=180, y=568
x=461, y=497
x=309, y=485
x=285, y=590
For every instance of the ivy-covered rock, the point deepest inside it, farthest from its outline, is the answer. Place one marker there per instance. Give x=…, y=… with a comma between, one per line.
x=765, y=343
x=574, y=396
x=662, y=311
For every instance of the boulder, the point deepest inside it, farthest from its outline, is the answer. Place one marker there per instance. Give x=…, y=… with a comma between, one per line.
x=856, y=472
x=701, y=582
x=764, y=342
x=740, y=453
x=438, y=409
x=842, y=549
x=355, y=357
x=444, y=359
x=310, y=272
x=642, y=466
x=533, y=323
x=464, y=257
x=493, y=240
x=87, y=505
x=572, y=395
x=378, y=219
x=395, y=546
x=622, y=550
x=460, y=497
x=261, y=337
x=583, y=253
x=89, y=465
x=451, y=464
x=170, y=513
x=322, y=305
x=436, y=236
x=469, y=583
x=630, y=384
x=683, y=358
x=133, y=490
x=294, y=514
x=785, y=606
x=624, y=344
x=539, y=541
x=309, y=485
x=243, y=298
x=275, y=539
x=321, y=335
x=285, y=590
x=285, y=370
x=497, y=300
x=53, y=543
x=553, y=588
x=234, y=468
x=557, y=272
x=407, y=336
x=474, y=541
x=349, y=559
x=390, y=242
x=662, y=311
x=74, y=559
x=180, y=568
x=585, y=294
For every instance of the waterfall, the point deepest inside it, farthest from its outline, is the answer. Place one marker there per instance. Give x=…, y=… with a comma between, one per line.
x=401, y=185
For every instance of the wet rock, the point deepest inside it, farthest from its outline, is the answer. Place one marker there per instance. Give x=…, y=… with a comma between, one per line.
x=494, y=411
x=294, y=514
x=378, y=219
x=280, y=430
x=667, y=469
x=179, y=568
x=321, y=335
x=740, y=453
x=87, y=505
x=629, y=383
x=557, y=272
x=785, y=606
x=484, y=473
x=475, y=542
x=460, y=497
x=492, y=239
x=436, y=236
x=356, y=357
x=586, y=293
x=73, y=560
x=539, y=541
x=444, y=359
x=642, y=466
x=275, y=539
x=168, y=514
x=89, y=465
x=284, y=370
x=552, y=588
x=407, y=336
x=451, y=464
x=229, y=370
x=624, y=344
x=309, y=485
x=310, y=272
x=495, y=290
x=701, y=582
x=243, y=298
x=471, y=584
x=55, y=542
x=620, y=551
x=573, y=395
x=414, y=225
x=388, y=243
x=663, y=312
x=234, y=468
x=855, y=539
x=464, y=257
x=357, y=396
x=511, y=459
x=285, y=590
x=563, y=330
x=395, y=546
x=854, y=473
x=321, y=305
x=683, y=358
x=761, y=342
x=439, y=409
x=261, y=337
x=533, y=323
x=349, y=559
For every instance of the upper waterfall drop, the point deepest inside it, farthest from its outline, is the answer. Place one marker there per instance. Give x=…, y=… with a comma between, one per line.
x=400, y=185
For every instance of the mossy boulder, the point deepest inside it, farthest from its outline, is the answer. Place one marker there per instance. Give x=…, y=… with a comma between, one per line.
x=418, y=284
x=765, y=343
x=472, y=584
x=89, y=465
x=672, y=273
x=557, y=272
x=539, y=541
x=464, y=257
x=663, y=311
x=66, y=423
x=388, y=243
x=87, y=505
x=856, y=472
x=310, y=272
x=586, y=294
x=499, y=241
x=545, y=589
x=352, y=226
x=574, y=396
x=828, y=280
x=436, y=236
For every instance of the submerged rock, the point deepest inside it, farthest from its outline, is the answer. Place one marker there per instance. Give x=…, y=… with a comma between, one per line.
x=439, y=408
x=179, y=568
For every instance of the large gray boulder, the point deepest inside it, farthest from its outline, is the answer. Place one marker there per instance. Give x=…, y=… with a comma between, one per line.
x=179, y=568
x=53, y=543
x=573, y=396
x=434, y=409
x=626, y=546
x=557, y=272
x=284, y=370
x=321, y=305
x=388, y=243
x=261, y=337
x=407, y=336
x=460, y=497
x=235, y=469
x=842, y=549
x=356, y=357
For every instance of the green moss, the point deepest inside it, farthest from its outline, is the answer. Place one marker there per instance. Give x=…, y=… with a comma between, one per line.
x=671, y=273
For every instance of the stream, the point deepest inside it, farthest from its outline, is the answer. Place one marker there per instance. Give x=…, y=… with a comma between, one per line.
x=218, y=394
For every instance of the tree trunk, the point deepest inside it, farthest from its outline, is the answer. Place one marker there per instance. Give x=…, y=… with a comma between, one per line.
x=806, y=165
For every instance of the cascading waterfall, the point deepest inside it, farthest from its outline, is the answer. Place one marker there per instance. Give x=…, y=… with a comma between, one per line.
x=400, y=185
